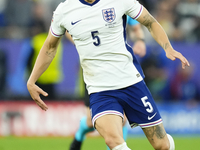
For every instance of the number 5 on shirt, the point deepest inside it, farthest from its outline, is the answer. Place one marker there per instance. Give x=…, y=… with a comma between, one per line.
x=95, y=37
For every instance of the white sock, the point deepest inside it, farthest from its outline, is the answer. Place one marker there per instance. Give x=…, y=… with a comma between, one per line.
x=122, y=146
x=171, y=142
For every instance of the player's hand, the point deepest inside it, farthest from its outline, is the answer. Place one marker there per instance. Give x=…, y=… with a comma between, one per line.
x=172, y=54
x=35, y=92
x=139, y=48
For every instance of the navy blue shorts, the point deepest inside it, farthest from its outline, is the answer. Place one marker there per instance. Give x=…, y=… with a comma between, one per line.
x=136, y=101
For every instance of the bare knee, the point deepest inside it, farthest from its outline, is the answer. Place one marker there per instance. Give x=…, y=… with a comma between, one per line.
x=112, y=140
x=110, y=127
x=162, y=146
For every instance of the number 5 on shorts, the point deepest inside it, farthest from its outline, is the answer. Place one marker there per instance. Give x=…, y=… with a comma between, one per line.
x=146, y=104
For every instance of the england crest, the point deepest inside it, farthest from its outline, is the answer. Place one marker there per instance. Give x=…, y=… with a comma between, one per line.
x=109, y=15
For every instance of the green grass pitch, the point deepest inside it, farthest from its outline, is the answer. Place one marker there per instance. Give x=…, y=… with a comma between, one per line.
x=96, y=143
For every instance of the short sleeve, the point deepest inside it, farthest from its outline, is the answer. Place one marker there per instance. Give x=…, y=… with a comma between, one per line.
x=131, y=21
x=132, y=8
x=56, y=28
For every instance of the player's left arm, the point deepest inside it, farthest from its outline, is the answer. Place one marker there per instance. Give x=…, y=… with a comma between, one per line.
x=160, y=36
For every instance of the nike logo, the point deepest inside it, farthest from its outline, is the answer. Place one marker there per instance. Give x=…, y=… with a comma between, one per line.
x=73, y=23
x=149, y=118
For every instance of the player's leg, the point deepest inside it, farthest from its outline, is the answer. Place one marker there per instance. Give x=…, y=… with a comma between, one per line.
x=110, y=128
x=141, y=110
x=107, y=114
x=84, y=128
x=124, y=130
x=158, y=137
x=89, y=119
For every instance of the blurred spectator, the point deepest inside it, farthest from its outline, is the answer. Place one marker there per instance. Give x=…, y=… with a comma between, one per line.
x=179, y=18
x=196, y=30
x=18, y=12
x=18, y=15
x=154, y=67
x=187, y=12
x=2, y=74
x=165, y=17
x=182, y=86
x=48, y=6
x=2, y=8
x=147, y=4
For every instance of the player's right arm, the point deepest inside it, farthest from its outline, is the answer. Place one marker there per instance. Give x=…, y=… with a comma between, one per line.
x=45, y=57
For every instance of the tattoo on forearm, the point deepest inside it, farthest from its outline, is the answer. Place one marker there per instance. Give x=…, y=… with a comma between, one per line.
x=157, y=131
x=50, y=54
x=165, y=46
x=148, y=21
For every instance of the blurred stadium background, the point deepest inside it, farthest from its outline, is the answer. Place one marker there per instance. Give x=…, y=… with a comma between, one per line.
x=23, y=27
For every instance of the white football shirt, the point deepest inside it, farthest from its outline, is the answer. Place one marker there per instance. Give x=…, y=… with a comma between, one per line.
x=98, y=31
